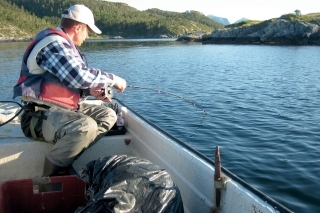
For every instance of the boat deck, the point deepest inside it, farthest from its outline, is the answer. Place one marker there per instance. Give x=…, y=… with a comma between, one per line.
x=22, y=158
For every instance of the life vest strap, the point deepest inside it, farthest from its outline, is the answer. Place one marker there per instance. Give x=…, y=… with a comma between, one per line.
x=37, y=112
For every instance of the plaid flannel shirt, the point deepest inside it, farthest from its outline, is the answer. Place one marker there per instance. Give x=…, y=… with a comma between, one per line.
x=58, y=59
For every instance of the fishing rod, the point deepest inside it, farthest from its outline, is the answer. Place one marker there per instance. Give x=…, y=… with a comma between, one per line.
x=130, y=86
x=172, y=94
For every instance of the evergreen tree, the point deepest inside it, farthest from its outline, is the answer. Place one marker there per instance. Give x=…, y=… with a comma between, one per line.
x=112, y=18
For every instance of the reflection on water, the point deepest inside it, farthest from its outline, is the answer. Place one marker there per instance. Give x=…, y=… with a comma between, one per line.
x=112, y=44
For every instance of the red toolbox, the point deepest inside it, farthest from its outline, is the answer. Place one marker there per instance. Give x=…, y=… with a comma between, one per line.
x=54, y=194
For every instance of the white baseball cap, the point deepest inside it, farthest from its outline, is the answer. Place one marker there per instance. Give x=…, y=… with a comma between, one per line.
x=81, y=14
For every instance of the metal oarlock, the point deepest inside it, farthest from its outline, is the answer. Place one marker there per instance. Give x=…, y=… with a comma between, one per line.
x=219, y=179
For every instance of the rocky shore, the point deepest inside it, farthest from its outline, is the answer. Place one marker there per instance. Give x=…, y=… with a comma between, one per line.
x=273, y=31
x=13, y=39
x=14, y=33
x=4, y=39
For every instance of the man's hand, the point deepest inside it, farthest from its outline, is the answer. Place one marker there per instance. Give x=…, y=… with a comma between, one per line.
x=99, y=94
x=120, y=84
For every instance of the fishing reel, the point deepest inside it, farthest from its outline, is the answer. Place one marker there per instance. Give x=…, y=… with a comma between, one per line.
x=107, y=91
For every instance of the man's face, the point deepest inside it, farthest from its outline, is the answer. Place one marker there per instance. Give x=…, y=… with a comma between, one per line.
x=82, y=33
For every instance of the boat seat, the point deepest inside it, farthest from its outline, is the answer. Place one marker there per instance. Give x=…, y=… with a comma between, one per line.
x=18, y=151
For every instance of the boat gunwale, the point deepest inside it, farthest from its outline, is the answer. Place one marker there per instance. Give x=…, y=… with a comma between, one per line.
x=277, y=206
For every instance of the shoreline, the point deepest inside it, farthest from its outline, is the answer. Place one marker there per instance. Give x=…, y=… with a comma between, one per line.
x=7, y=40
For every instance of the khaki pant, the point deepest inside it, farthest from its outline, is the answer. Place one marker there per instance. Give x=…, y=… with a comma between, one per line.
x=71, y=132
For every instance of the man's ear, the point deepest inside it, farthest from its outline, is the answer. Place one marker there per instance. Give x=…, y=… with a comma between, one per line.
x=77, y=28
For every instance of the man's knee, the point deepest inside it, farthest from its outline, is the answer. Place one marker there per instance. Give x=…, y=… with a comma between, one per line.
x=106, y=119
x=72, y=139
x=88, y=129
x=112, y=116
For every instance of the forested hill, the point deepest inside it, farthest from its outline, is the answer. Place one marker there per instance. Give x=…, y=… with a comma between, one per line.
x=24, y=18
x=17, y=24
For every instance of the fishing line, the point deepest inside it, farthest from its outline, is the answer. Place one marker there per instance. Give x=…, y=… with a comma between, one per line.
x=175, y=95
x=169, y=93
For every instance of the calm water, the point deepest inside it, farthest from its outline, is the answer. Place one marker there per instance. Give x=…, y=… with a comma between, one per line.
x=260, y=104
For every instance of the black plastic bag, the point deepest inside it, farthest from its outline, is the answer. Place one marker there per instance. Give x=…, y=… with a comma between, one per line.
x=129, y=184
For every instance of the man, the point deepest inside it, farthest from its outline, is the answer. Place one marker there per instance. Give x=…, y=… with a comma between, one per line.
x=54, y=81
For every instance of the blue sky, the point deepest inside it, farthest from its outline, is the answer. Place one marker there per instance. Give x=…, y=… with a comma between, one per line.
x=233, y=10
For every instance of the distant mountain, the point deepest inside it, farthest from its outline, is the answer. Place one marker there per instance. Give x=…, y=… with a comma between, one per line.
x=240, y=20
x=220, y=20
x=225, y=21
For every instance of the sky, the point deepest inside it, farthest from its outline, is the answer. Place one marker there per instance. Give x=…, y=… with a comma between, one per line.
x=233, y=10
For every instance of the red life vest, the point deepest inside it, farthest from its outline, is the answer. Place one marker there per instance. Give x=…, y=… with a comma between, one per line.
x=44, y=87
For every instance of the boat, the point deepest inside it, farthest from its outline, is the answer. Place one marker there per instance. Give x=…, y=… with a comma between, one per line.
x=204, y=184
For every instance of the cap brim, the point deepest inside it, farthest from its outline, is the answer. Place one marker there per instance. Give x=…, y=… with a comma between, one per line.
x=95, y=29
